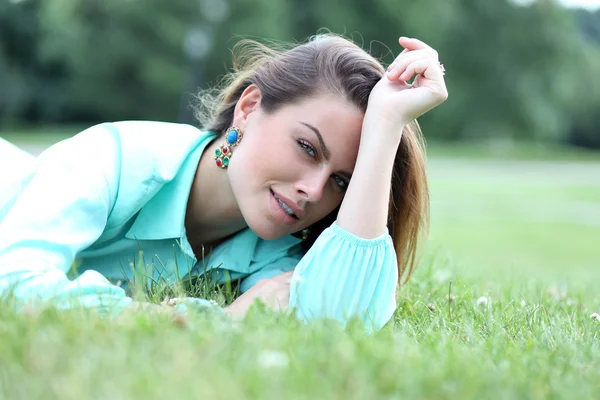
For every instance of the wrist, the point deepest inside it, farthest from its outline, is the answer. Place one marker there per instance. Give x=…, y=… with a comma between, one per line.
x=377, y=122
x=381, y=134
x=379, y=147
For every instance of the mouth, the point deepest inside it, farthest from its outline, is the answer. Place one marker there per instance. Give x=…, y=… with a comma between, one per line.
x=288, y=207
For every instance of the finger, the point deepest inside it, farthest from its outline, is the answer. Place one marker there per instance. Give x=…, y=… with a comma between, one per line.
x=416, y=44
x=403, y=60
x=418, y=65
x=424, y=67
x=393, y=64
x=406, y=59
x=411, y=44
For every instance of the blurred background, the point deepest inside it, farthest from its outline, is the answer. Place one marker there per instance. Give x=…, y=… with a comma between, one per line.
x=514, y=152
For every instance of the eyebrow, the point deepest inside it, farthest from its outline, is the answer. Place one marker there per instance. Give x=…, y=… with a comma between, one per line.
x=322, y=145
x=324, y=149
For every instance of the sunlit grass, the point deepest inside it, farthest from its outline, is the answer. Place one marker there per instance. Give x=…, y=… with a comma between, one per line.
x=526, y=236
x=510, y=150
x=541, y=219
x=40, y=136
x=526, y=342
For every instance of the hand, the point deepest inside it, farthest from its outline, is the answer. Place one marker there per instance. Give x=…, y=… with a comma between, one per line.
x=395, y=102
x=273, y=292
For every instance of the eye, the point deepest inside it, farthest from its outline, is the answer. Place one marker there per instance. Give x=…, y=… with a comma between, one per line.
x=307, y=148
x=340, y=183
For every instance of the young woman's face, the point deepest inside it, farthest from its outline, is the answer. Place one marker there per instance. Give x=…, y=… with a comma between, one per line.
x=292, y=167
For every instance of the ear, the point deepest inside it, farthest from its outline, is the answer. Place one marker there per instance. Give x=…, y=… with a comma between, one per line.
x=248, y=103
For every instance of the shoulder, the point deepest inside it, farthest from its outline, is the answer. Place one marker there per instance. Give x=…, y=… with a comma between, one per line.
x=134, y=158
x=156, y=132
x=139, y=138
x=152, y=149
x=156, y=139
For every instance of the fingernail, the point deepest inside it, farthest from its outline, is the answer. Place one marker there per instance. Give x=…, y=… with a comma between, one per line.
x=392, y=65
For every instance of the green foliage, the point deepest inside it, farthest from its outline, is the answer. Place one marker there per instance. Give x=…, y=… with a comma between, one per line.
x=514, y=72
x=586, y=127
x=19, y=72
x=510, y=69
x=119, y=58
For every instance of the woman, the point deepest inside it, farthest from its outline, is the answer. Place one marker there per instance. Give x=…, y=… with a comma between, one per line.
x=309, y=169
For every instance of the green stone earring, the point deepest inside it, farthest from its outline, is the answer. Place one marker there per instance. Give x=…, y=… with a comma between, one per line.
x=305, y=233
x=223, y=153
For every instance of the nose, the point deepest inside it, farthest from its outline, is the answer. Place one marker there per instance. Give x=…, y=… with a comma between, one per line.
x=312, y=185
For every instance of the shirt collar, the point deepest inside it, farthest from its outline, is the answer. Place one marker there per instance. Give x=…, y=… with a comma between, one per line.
x=163, y=216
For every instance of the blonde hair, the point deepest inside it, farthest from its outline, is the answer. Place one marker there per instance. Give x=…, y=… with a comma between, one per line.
x=333, y=64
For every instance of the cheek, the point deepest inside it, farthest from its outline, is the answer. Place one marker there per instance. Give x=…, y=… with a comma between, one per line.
x=327, y=205
x=272, y=160
x=257, y=162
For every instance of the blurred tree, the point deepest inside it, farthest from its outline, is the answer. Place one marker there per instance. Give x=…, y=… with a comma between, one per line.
x=520, y=72
x=585, y=130
x=510, y=68
x=19, y=71
x=123, y=58
x=131, y=59
x=263, y=20
x=590, y=23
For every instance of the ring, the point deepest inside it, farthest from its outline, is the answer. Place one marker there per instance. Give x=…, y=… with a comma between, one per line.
x=442, y=68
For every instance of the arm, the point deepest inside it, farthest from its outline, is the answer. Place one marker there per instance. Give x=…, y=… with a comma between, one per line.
x=364, y=210
x=393, y=103
x=62, y=210
x=351, y=270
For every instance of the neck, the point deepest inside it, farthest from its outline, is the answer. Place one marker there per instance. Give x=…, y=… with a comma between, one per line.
x=212, y=212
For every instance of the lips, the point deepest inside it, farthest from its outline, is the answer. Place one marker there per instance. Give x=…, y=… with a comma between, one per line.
x=292, y=205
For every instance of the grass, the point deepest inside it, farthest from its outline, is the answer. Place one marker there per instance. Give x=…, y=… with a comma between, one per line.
x=523, y=234
x=525, y=343
x=510, y=150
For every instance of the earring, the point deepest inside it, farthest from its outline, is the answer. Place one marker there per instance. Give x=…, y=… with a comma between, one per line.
x=305, y=233
x=223, y=153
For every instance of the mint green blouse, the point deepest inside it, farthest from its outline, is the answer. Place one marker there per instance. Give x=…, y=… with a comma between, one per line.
x=95, y=200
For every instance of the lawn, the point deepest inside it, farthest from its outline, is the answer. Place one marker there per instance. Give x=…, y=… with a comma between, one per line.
x=499, y=308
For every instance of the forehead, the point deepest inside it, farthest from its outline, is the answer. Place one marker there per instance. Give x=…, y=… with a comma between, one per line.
x=338, y=121
x=331, y=113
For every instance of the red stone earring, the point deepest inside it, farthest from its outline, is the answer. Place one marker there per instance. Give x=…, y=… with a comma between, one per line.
x=223, y=153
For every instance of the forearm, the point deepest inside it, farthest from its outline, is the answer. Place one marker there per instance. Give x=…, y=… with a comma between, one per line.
x=364, y=210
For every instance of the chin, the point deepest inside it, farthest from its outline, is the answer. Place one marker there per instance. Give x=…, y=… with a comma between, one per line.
x=267, y=234
x=265, y=230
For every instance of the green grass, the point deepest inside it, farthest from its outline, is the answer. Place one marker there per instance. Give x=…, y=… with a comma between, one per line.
x=525, y=343
x=510, y=150
x=40, y=136
x=524, y=234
